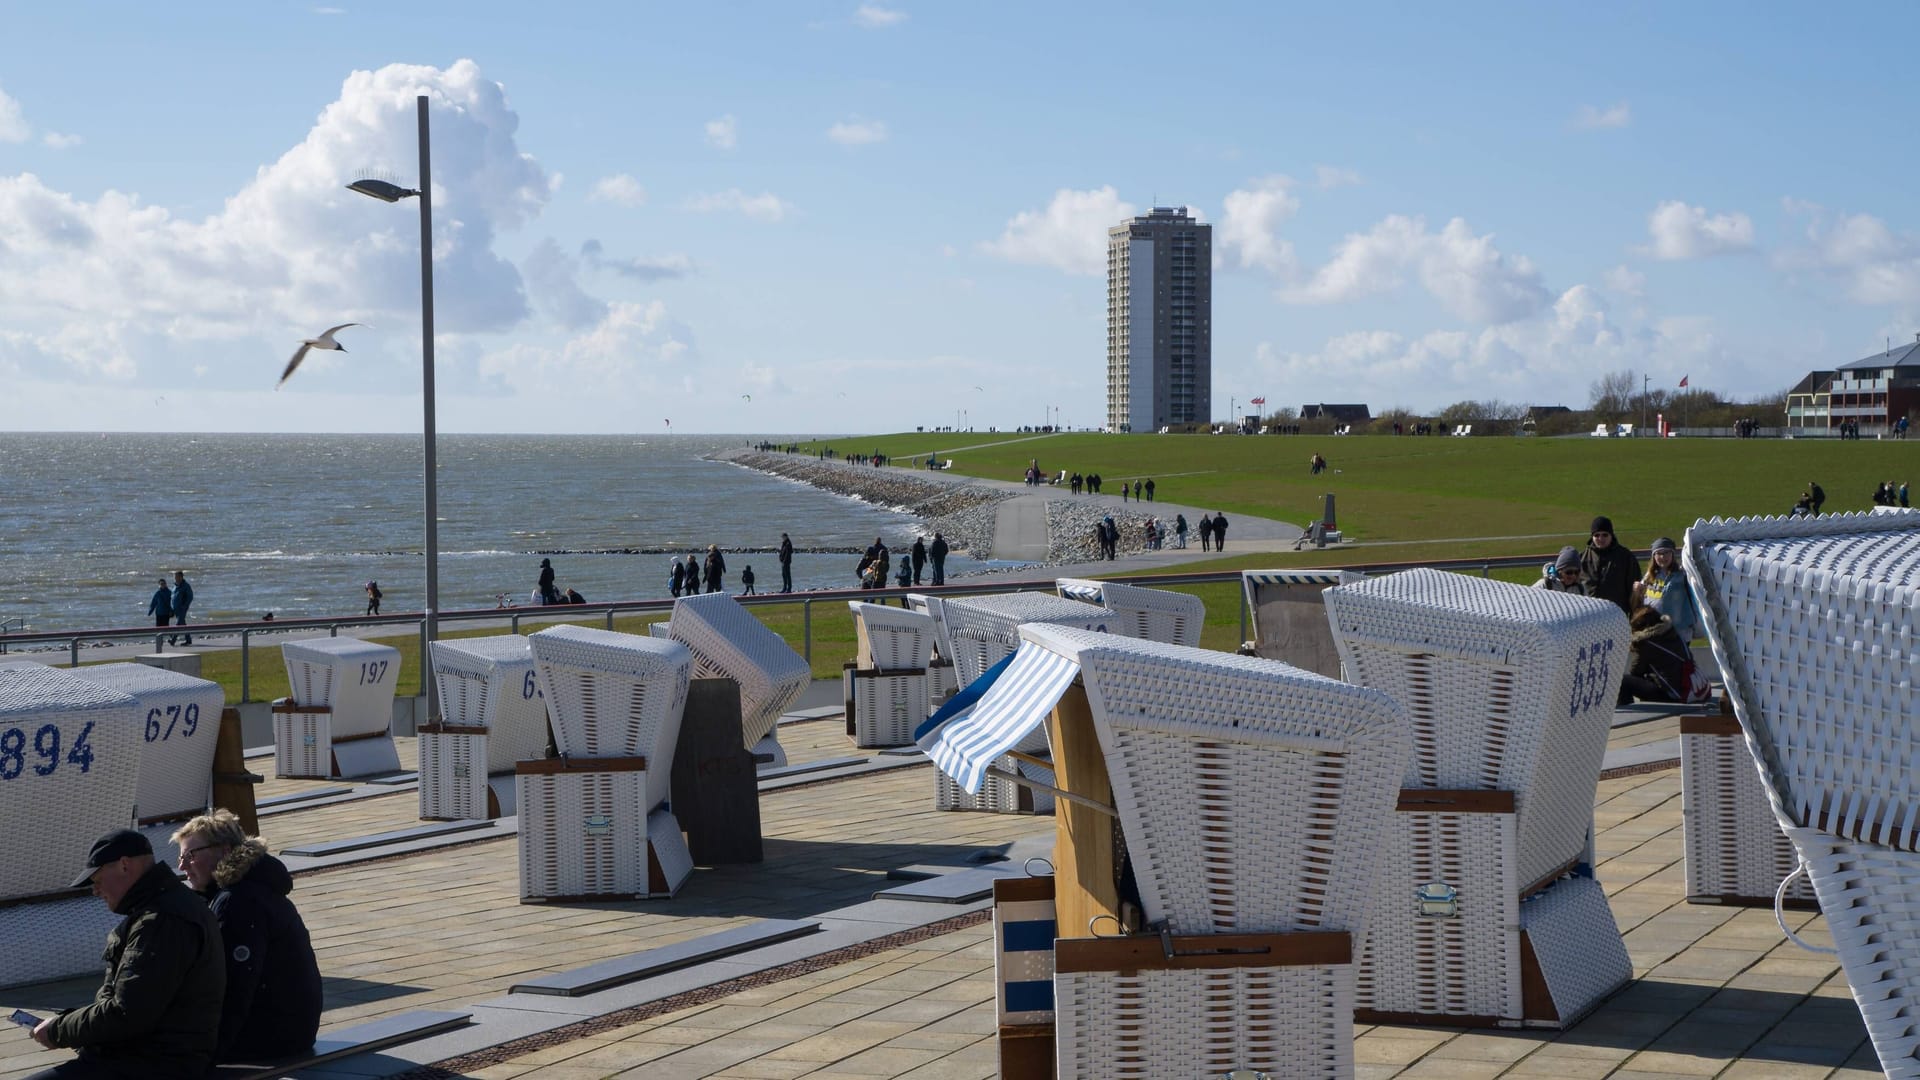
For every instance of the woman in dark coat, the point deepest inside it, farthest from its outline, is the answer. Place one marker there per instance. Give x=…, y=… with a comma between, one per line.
x=547, y=595
x=272, y=1006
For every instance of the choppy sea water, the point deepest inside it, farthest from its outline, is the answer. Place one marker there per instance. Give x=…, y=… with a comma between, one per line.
x=298, y=524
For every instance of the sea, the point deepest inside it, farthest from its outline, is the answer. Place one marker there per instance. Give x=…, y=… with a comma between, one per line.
x=296, y=525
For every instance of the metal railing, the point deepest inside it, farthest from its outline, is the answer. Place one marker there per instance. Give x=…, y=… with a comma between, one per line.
x=513, y=617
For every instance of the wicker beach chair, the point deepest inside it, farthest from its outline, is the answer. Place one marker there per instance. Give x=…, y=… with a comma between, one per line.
x=728, y=642
x=1812, y=622
x=891, y=638
x=180, y=726
x=492, y=715
x=886, y=688
x=942, y=677
x=1510, y=694
x=339, y=718
x=1289, y=618
x=1157, y=614
x=1735, y=851
x=70, y=758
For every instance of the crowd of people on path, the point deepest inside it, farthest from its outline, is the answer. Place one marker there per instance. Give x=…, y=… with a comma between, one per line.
x=216, y=969
x=1659, y=606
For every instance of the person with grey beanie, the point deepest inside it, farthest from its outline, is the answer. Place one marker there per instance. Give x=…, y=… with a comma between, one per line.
x=1563, y=574
x=1665, y=589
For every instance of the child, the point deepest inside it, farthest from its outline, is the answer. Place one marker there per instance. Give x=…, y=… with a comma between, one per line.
x=746, y=578
x=905, y=577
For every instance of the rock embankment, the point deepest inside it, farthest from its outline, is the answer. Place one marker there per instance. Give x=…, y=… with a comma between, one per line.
x=963, y=513
x=1070, y=530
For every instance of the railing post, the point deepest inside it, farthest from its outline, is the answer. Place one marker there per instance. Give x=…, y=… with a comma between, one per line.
x=806, y=629
x=246, y=673
x=515, y=620
x=609, y=619
x=73, y=651
x=159, y=640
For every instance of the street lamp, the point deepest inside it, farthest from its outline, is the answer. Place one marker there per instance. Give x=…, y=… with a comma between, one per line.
x=393, y=193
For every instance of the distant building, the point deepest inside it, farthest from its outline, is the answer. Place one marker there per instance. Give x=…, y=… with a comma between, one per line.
x=1874, y=392
x=1339, y=414
x=1808, y=401
x=1159, y=321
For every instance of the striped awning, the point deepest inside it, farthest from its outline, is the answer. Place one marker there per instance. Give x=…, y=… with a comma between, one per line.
x=963, y=745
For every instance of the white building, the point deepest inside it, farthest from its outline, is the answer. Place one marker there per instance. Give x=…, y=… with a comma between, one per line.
x=1159, y=321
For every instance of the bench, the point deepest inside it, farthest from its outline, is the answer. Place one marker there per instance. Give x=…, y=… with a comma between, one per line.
x=607, y=974
x=358, y=1039
x=383, y=839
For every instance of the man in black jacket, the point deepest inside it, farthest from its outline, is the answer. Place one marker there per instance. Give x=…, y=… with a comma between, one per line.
x=919, y=555
x=157, y=1012
x=272, y=1006
x=786, y=563
x=1610, y=568
x=937, y=553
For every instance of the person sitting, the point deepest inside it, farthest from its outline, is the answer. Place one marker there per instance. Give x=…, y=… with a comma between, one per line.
x=1657, y=670
x=272, y=1005
x=1564, y=573
x=157, y=1012
x=571, y=596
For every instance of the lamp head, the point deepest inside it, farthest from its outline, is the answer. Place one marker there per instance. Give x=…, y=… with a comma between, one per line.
x=381, y=189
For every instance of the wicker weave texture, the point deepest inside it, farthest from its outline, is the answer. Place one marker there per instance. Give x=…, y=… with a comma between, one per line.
x=1467, y=965
x=489, y=682
x=590, y=834
x=1507, y=688
x=1177, y=1025
x=179, y=725
x=1253, y=796
x=984, y=629
x=887, y=707
x=65, y=743
x=728, y=642
x=453, y=776
x=893, y=638
x=613, y=695
x=998, y=795
x=1578, y=945
x=1812, y=621
x=352, y=677
x=1735, y=849
x=302, y=746
x=1155, y=614
x=53, y=939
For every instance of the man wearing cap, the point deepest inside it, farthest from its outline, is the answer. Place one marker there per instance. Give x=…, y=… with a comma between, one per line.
x=157, y=1013
x=1610, y=568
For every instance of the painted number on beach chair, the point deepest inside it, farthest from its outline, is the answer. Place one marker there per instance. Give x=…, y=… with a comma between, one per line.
x=1592, y=668
x=46, y=745
x=372, y=672
x=530, y=689
x=175, y=715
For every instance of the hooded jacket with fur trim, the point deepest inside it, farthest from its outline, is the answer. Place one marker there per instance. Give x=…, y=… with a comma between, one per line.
x=272, y=1007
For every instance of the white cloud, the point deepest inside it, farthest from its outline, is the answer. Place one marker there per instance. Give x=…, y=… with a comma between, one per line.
x=58, y=141
x=553, y=286
x=723, y=132
x=1250, y=220
x=1594, y=118
x=1070, y=234
x=1874, y=264
x=1463, y=271
x=1626, y=281
x=13, y=121
x=1328, y=177
x=875, y=17
x=329, y=11
x=619, y=360
x=292, y=250
x=653, y=268
x=619, y=189
x=857, y=132
x=1680, y=231
x=765, y=206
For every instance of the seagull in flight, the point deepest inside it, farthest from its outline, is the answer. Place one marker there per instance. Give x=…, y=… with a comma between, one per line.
x=324, y=341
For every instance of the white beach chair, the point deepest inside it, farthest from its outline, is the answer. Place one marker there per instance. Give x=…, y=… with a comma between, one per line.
x=1812, y=620
x=1290, y=619
x=1510, y=692
x=1157, y=614
x=339, y=719
x=728, y=642
x=891, y=638
x=1735, y=851
x=180, y=727
x=493, y=714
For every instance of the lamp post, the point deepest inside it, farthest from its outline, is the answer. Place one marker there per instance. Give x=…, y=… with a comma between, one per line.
x=393, y=193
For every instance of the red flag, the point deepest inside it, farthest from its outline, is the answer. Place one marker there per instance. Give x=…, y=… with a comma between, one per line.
x=1683, y=382
x=1259, y=401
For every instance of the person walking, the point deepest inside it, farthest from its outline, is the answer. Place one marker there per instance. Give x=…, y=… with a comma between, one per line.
x=746, y=580
x=373, y=597
x=1819, y=497
x=1220, y=532
x=547, y=593
x=1149, y=489
x=1180, y=532
x=1206, y=532
x=918, y=554
x=786, y=563
x=716, y=568
x=1610, y=568
x=160, y=606
x=675, y=574
x=690, y=579
x=181, y=600
x=937, y=555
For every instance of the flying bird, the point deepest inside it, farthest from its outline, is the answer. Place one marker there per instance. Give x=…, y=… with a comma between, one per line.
x=980, y=388
x=749, y=397
x=324, y=341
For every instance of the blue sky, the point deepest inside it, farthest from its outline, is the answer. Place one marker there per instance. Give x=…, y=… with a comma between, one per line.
x=766, y=217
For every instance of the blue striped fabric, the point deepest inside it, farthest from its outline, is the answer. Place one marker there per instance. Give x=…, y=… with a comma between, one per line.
x=1023, y=961
x=1294, y=577
x=1017, y=702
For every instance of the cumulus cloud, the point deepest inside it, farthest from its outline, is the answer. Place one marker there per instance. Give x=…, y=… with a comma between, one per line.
x=553, y=285
x=292, y=247
x=857, y=132
x=655, y=268
x=13, y=121
x=620, y=190
x=635, y=346
x=723, y=132
x=1626, y=281
x=1328, y=177
x=59, y=141
x=1250, y=223
x=765, y=206
x=1594, y=118
x=1680, y=231
x=875, y=17
x=1070, y=234
x=1873, y=263
x=1463, y=271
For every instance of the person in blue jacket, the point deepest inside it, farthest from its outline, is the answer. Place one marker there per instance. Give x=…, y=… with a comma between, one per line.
x=182, y=599
x=160, y=608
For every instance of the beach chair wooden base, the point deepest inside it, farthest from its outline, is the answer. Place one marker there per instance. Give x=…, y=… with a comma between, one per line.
x=1468, y=958
x=1024, y=927
x=1736, y=853
x=586, y=833
x=884, y=707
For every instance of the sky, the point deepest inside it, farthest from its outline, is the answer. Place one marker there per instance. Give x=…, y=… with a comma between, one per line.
x=766, y=217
